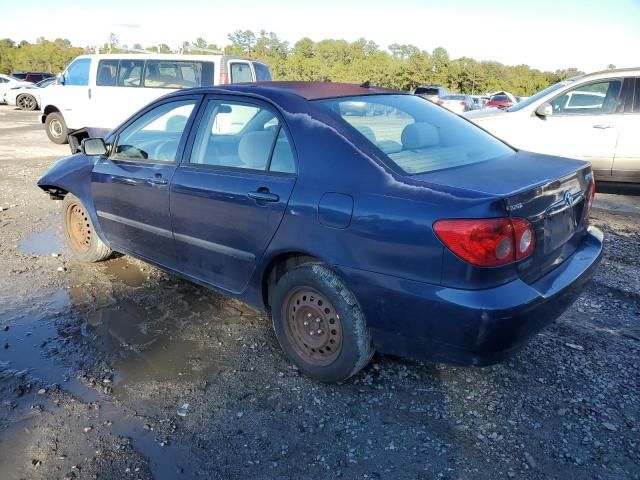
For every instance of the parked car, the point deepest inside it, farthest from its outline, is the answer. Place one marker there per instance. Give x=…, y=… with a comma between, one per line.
x=100, y=91
x=33, y=77
x=433, y=93
x=479, y=101
x=501, y=101
x=593, y=117
x=27, y=97
x=8, y=82
x=457, y=103
x=411, y=232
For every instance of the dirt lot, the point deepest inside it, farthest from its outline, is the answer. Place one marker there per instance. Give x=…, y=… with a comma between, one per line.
x=118, y=370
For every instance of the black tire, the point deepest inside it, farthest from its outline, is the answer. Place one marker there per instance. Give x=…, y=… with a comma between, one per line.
x=26, y=102
x=56, y=128
x=79, y=233
x=356, y=348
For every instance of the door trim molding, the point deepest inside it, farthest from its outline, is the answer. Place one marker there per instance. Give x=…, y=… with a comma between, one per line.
x=135, y=224
x=215, y=247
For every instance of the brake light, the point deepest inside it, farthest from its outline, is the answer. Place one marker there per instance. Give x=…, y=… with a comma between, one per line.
x=487, y=242
x=224, y=78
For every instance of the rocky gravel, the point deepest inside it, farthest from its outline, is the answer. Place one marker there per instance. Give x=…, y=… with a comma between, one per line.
x=119, y=370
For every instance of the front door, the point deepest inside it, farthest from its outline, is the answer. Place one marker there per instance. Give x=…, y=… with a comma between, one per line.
x=585, y=124
x=72, y=97
x=130, y=188
x=230, y=193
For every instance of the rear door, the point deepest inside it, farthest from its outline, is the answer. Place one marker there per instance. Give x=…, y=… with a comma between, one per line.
x=130, y=188
x=626, y=163
x=230, y=193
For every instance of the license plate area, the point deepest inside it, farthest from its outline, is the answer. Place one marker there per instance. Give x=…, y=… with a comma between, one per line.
x=558, y=229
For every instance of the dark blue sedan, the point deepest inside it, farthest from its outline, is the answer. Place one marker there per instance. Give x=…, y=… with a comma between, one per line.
x=360, y=218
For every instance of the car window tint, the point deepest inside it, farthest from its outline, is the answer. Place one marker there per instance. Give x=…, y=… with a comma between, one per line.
x=241, y=73
x=416, y=135
x=169, y=74
x=107, y=73
x=282, y=160
x=156, y=134
x=636, y=97
x=78, y=72
x=235, y=135
x=593, y=99
x=130, y=73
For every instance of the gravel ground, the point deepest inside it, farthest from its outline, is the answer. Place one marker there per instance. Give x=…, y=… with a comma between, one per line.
x=118, y=370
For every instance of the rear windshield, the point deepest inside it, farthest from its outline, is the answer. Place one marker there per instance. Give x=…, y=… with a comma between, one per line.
x=427, y=91
x=500, y=98
x=262, y=72
x=414, y=134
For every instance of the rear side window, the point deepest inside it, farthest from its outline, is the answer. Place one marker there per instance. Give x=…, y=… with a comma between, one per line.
x=169, y=74
x=263, y=74
x=107, y=73
x=636, y=97
x=78, y=72
x=130, y=73
x=240, y=72
x=414, y=134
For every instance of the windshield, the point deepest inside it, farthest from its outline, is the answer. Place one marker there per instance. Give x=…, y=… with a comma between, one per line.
x=540, y=94
x=414, y=134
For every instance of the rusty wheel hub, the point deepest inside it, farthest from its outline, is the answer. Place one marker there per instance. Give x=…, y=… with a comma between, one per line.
x=312, y=326
x=78, y=227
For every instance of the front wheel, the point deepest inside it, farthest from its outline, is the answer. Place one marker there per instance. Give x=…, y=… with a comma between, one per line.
x=26, y=102
x=319, y=324
x=79, y=232
x=56, y=128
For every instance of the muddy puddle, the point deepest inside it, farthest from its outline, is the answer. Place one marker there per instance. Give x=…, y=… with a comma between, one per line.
x=46, y=242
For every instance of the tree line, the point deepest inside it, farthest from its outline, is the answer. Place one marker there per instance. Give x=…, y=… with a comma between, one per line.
x=399, y=66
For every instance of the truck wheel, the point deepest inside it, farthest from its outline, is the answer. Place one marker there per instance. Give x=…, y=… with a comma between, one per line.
x=26, y=102
x=56, y=128
x=319, y=324
x=79, y=232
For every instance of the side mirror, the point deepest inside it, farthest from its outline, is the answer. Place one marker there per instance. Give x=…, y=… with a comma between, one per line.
x=93, y=147
x=544, y=110
x=60, y=79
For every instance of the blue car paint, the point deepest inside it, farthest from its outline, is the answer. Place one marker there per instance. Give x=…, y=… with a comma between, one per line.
x=417, y=296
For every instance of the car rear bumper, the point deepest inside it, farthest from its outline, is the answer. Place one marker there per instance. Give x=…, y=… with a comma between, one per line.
x=469, y=327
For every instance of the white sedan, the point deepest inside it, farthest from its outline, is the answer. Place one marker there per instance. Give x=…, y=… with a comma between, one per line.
x=8, y=82
x=27, y=97
x=593, y=117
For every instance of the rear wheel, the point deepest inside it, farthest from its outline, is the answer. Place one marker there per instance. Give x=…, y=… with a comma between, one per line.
x=56, y=128
x=26, y=102
x=79, y=232
x=319, y=324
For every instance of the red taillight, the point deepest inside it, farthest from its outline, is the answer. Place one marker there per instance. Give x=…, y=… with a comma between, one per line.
x=487, y=242
x=224, y=78
x=462, y=102
x=591, y=194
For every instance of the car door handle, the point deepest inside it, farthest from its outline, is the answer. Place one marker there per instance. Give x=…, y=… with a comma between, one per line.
x=157, y=180
x=603, y=126
x=264, y=196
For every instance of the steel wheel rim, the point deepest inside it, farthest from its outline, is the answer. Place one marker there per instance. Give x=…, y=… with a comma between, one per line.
x=78, y=227
x=55, y=127
x=312, y=326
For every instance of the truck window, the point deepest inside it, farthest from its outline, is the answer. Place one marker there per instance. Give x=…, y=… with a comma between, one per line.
x=172, y=74
x=263, y=74
x=78, y=72
x=241, y=73
x=107, y=73
x=130, y=73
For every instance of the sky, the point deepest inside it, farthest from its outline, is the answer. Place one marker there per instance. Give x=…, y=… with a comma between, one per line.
x=545, y=34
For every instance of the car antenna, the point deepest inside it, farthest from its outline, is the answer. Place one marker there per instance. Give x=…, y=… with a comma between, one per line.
x=366, y=84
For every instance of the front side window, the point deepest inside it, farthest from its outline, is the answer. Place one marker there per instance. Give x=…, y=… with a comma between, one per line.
x=107, y=73
x=237, y=135
x=241, y=73
x=599, y=98
x=414, y=134
x=155, y=136
x=169, y=74
x=130, y=73
x=77, y=74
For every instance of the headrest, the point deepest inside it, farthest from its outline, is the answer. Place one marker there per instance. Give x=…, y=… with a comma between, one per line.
x=254, y=149
x=176, y=123
x=367, y=132
x=419, y=135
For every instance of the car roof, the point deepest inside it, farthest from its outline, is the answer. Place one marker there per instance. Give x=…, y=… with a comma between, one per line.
x=306, y=90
